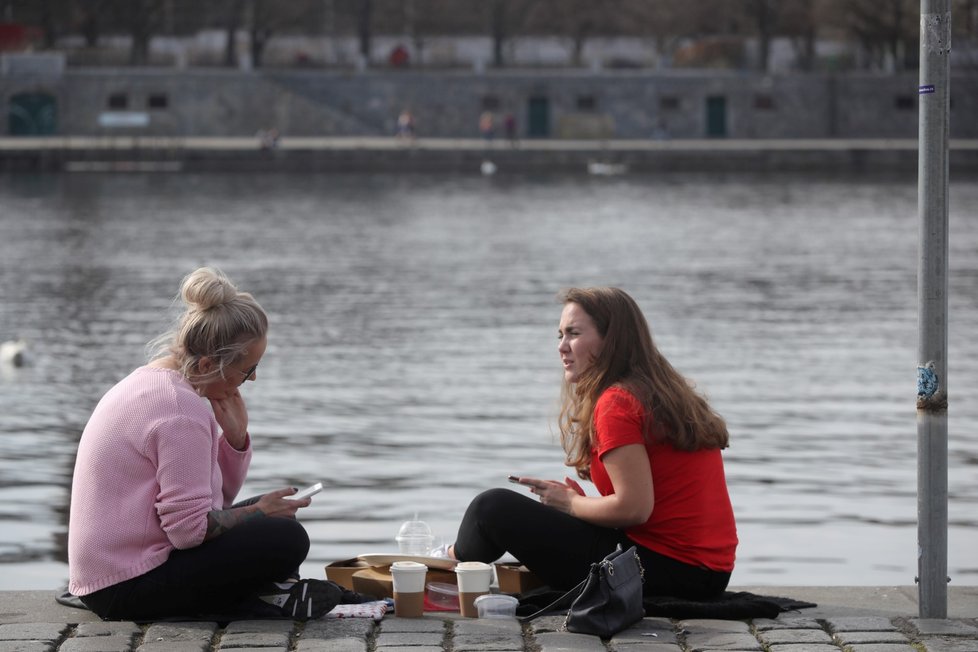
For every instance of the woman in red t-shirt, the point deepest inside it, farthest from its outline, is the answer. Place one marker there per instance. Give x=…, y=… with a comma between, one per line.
x=636, y=428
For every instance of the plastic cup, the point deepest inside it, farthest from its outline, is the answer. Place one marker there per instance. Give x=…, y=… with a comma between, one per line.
x=473, y=578
x=414, y=538
x=409, y=577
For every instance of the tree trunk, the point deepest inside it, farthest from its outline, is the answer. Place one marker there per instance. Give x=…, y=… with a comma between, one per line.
x=498, y=29
x=89, y=22
x=50, y=35
x=763, y=35
x=364, y=19
x=232, y=25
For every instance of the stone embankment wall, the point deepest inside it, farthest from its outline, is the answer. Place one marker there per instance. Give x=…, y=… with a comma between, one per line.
x=545, y=104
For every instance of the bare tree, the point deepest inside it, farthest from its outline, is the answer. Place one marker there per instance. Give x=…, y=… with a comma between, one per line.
x=143, y=19
x=576, y=20
x=670, y=22
x=799, y=21
x=364, y=27
x=886, y=29
x=234, y=13
x=506, y=18
x=90, y=16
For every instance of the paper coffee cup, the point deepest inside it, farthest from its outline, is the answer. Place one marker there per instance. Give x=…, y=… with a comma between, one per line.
x=473, y=578
x=409, y=577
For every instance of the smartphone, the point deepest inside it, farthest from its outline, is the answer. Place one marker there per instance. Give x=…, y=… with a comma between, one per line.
x=308, y=491
x=515, y=479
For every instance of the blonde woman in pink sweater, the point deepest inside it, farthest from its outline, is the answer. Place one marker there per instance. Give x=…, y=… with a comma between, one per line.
x=153, y=531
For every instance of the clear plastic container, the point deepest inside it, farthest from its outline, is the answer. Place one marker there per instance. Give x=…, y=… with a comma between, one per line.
x=496, y=605
x=443, y=595
x=415, y=538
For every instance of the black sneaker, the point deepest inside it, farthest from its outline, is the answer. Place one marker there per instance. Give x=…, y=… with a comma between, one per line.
x=304, y=599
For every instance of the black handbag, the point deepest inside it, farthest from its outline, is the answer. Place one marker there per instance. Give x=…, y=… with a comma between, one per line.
x=608, y=600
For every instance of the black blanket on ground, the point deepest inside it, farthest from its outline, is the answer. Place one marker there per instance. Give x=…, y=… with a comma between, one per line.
x=732, y=605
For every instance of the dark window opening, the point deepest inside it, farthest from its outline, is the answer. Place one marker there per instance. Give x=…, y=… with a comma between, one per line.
x=905, y=103
x=669, y=103
x=764, y=102
x=587, y=103
x=118, y=101
x=158, y=101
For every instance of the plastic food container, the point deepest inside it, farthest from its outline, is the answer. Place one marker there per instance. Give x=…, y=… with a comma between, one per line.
x=496, y=605
x=443, y=595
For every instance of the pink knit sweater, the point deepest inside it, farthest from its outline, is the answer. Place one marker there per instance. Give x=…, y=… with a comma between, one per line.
x=151, y=464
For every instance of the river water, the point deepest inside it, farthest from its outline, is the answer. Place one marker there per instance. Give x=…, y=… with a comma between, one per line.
x=412, y=354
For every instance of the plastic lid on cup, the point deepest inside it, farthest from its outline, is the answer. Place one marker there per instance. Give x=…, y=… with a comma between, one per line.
x=409, y=566
x=414, y=528
x=415, y=537
x=469, y=566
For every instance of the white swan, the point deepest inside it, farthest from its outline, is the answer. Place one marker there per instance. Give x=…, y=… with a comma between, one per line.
x=14, y=353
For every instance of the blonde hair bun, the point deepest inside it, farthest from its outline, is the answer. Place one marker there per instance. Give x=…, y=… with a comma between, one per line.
x=207, y=288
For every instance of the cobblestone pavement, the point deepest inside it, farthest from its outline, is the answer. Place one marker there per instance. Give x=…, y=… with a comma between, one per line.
x=793, y=632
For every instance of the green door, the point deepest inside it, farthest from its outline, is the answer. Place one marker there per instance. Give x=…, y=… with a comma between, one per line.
x=32, y=114
x=538, y=125
x=716, y=116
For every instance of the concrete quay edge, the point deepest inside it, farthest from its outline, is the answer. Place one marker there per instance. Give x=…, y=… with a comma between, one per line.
x=847, y=619
x=447, y=155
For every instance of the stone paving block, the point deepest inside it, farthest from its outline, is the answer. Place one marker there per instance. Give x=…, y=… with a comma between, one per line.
x=568, y=642
x=241, y=640
x=514, y=645
x=803, y=647
x=260, y=626
x=333, y=645
x=175, y=646
x=634, y=645
x=491, y=634
x=40, y=632
x=704, y=626
x=330, y=628
x=950, y=645
x=856, y=638
x=27, y=646
x=547, y=624
x=402, y=639
x=778, y=636
x=180, y=633
x=861, y=624
x=108, y=628
x=699, y=642
x=97, y=644
x=500, y=626
x=417, y=648
x=411, y=625
x=788, y=622
x=883, y=647
x=939, y=627
x=649, y=630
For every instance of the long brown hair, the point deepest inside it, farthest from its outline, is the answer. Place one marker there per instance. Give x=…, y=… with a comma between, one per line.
x=629, y=359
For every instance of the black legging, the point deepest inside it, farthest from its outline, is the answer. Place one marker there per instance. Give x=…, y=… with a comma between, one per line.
x=220, y=576
x=560, y=548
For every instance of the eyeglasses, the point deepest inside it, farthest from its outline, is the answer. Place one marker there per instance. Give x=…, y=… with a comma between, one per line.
x=247, y=374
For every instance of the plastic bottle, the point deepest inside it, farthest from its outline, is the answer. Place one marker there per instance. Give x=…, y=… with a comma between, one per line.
x=415, y=538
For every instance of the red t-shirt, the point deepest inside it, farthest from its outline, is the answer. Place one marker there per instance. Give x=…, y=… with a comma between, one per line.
x=692, y=520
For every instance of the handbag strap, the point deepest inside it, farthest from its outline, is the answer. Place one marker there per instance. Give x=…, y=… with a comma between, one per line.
x=573, y=593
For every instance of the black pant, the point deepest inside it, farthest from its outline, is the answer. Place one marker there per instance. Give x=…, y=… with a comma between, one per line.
x=560, y=548
x=220, y=576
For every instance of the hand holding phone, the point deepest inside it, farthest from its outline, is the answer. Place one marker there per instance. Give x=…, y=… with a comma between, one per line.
x=307, y=492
